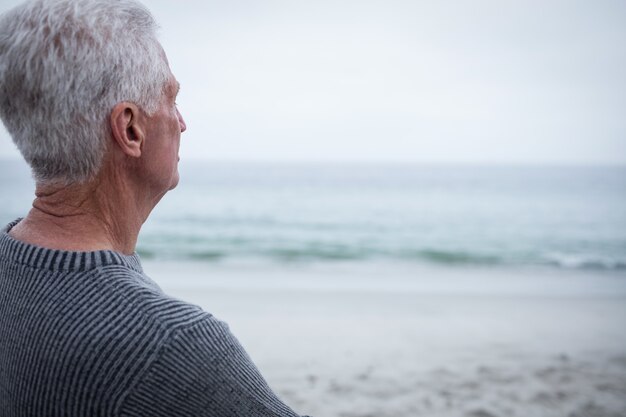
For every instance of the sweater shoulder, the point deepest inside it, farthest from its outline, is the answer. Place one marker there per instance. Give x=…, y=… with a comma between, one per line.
x=91, y=334
x=143, y=297
x=202, y=370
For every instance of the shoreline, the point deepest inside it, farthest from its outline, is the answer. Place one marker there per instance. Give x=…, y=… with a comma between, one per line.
x=388, y=277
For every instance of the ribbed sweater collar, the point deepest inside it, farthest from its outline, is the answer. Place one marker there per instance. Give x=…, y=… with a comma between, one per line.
x=59, y=260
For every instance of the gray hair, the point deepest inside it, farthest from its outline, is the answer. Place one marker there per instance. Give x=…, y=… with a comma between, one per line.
x=64, y=64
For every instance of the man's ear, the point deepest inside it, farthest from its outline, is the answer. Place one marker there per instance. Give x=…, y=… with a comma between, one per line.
x=126, y=128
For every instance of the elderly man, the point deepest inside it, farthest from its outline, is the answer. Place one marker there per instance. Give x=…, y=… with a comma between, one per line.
x=88, y=97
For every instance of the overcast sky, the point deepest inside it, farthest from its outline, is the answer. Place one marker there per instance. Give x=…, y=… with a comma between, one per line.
x=396, y=80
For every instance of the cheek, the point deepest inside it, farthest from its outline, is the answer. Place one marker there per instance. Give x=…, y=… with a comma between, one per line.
x=174, y=125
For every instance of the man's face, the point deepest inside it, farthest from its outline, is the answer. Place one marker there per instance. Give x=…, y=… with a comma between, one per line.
x=163, y=140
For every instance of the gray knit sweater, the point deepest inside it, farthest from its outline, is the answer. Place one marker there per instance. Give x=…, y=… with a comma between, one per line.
x=89, y=334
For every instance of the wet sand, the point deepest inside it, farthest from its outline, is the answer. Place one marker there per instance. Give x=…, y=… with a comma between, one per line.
x=344, y=341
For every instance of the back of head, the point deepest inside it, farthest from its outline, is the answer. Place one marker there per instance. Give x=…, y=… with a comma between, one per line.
x=64, y=64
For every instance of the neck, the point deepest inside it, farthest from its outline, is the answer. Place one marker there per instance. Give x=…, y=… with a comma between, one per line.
x=97, y=215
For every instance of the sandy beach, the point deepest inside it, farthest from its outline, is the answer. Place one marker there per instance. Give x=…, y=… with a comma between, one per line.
x=387, y=340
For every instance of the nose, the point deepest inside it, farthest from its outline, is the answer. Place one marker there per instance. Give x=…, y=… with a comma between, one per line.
x=181, y=121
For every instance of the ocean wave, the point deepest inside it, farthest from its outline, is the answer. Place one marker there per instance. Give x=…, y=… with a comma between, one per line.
x=452, y=257
x=578, y=261
x=191, y=250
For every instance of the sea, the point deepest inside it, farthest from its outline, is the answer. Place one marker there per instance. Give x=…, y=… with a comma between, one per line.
x=554, y=217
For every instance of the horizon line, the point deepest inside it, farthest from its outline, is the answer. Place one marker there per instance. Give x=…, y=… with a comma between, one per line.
x=382, y=161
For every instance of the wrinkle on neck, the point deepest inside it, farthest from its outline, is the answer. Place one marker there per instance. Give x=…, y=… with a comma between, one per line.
x=97, y=215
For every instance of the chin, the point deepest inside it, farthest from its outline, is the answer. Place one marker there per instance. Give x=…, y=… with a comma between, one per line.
x=174, y=182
